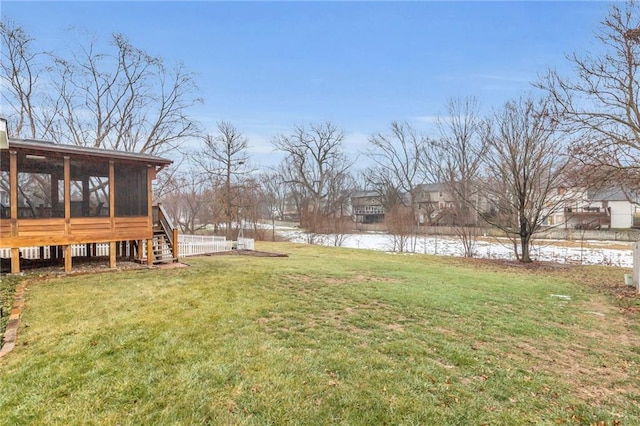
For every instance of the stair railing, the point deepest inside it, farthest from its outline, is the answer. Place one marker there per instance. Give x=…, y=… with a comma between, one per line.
x=167, y=225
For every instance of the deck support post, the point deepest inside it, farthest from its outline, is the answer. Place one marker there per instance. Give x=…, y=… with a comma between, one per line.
x=67, y=258
x=112, y=254
x=15, y=260
x=150, y=252
x=140, y=250
x=175, y=244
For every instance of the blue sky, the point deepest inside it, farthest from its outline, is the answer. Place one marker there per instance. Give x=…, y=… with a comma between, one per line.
x=266, y=66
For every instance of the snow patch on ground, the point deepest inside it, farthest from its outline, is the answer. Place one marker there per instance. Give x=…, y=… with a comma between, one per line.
x=591, y=253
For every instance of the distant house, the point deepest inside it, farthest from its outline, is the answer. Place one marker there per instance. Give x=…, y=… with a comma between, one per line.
x=435, y=204
x=621, y=207
x=595, y=209
x=366, y=207
x=438, y=206
x=54, y=196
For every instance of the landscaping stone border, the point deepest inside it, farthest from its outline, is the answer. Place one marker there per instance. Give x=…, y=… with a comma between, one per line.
x=11, y=332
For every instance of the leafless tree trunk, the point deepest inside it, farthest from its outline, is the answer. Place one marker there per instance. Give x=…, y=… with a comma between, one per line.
x=457, y=157
x=316, y=164
x=296, y=199
x=224, y=160
x=524, y=168
x=251, y=207
x=274, y=193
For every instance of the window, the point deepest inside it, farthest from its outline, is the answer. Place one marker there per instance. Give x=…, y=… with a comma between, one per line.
x=130, y=190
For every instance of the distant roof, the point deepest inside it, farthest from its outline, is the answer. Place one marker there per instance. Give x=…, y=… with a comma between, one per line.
x=360, y=194
x=48, y=146
x=432, y=187
x=611, y=194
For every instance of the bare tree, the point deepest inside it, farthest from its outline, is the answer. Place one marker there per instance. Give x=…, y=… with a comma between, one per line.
x=398, y=171
x=398, y=161
x=315, y=165
x=524, y=166
x=599, y=103
x=22, y=67
x=296, y=199
x=187, y=202
x=274, y=192
x=337, y=212
x=224, y=160
x=251, y=208
x=401, y=224
x=122, y=98
x=457, y=158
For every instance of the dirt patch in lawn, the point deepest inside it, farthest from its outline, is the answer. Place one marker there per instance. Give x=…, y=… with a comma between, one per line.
x=596, y=374
x=330, y=281
x=253, y=253
x=356, y=279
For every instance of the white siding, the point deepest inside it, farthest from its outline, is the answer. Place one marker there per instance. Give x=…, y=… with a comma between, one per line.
x=621, y=214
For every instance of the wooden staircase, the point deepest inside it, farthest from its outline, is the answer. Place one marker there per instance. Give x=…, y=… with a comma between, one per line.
x=162, y=247
x=165, y=237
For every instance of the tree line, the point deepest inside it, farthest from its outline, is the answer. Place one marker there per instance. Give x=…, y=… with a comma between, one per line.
x=504, y=169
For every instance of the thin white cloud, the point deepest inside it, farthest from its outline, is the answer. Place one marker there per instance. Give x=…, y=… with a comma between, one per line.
x=505, y=78
x=427, y=119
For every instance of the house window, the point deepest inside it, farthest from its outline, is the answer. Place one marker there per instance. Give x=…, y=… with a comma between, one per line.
x=131, y=190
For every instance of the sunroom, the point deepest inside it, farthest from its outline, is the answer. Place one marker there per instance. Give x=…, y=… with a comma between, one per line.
x=58, y=197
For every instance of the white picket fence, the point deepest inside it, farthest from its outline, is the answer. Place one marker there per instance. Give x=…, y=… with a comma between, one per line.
x=193, y=245
x=246, y=244
x=188, y=245
x=102, y=249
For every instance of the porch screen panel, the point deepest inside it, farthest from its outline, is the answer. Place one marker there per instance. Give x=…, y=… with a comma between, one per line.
x=38, y=187
x=130, y=190
x=89, y=188
x=5, y=188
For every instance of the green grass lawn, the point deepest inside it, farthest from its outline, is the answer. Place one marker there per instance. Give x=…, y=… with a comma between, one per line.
x=325, y=336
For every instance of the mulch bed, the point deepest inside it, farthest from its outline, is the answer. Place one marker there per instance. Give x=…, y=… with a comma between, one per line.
x=80, y=265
